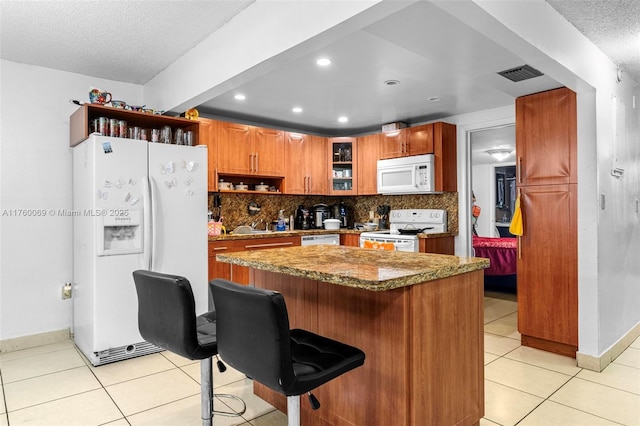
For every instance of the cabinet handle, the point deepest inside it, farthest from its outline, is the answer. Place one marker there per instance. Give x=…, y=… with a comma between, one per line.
x=268, y=245
x=519, y=169
x=220, y=248
x=309, y=188
x=256, y=154
x=251, y=162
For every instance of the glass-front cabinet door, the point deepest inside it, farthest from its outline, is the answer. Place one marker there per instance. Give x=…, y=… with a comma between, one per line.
x=342, y=166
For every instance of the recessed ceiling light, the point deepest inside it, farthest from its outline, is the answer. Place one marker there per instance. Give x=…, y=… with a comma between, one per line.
x=433, y=99
x=323, y=62
x=240, y=97
x=391, y=82
x=343, y=119
x=296, y=109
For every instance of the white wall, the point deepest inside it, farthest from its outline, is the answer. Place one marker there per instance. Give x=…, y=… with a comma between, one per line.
x=608, y=240
x=36, y=174
x=483, y=181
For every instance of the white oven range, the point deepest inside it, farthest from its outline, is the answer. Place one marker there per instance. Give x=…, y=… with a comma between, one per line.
x=405, y=225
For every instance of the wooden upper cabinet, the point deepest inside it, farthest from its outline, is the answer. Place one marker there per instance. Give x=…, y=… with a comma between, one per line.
x=393, y=144
x=420, y=140
x=209, y=136
x=249, y=150
x=235, y=148
x=305, y=171
x=445, y=157
x=268, y=152
x=316, y=167
x=546, y=140
x=368, y=155
x=343, y=171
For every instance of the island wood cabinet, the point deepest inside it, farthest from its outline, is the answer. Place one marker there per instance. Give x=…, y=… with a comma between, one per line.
x=305, y=171
x=547, y=251
x=236, y=273
x=343, y=154
x=250, y=150
x=80, y=121
x=367, y=163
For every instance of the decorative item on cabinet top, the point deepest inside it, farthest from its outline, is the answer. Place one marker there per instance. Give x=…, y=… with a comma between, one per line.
x=80, y=121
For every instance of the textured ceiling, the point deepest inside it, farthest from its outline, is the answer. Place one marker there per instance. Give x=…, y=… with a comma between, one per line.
x=130, y=41
x=612, y=25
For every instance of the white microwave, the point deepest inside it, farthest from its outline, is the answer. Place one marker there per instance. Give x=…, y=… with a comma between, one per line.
x=406, y=175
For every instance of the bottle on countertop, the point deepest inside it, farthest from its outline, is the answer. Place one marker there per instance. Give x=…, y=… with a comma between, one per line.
x=281, y=226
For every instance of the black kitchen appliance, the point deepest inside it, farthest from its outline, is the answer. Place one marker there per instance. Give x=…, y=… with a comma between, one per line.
x=303, y=219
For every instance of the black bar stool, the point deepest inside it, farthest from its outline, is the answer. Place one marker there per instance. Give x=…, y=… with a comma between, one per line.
x=254, y=338
x=167, y=318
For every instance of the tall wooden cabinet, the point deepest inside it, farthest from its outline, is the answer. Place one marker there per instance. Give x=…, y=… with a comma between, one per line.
x=547, y=251
x=305, y=171
x=368, y=155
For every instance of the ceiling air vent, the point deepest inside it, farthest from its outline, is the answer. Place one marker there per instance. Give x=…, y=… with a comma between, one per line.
x=524, y=72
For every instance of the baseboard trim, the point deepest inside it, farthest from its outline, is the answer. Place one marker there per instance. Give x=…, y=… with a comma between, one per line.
x=26, y=342
x=598, y=363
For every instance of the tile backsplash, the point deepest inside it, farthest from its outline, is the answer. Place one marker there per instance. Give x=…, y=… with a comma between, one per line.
x=235, y=207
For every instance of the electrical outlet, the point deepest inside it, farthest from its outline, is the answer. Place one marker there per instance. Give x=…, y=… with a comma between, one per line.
x=66, y=291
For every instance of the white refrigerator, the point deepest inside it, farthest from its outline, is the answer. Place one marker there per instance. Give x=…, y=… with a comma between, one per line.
x=137, y=205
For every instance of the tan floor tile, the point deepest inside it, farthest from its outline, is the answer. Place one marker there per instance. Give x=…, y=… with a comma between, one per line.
x=41, y=389
x=507, y=406
x=499, y=345
x=219, y=379
x=3, y=408
x=184, y=412
x=548, y=360
x=525, y=377
x=121, y=371
x=256, y=407
x=177, y=359
x=274, y=418
x=506, y=326
x=599, y=400
x=152, y=391
x=617, y=376
x=121, y=422
x=630, y=357
x=3, y=420
x=489, y=358
x=40, y=364
x=85, y=409
x=485, y=422
x=497, y=308
x=552, y=413
x=38, y=350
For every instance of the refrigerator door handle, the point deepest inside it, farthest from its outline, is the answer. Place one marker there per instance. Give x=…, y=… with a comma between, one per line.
x=146, y=205
x=154, y=222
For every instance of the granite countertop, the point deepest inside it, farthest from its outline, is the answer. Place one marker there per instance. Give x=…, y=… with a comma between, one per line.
x=375, y=270
x=300, y=232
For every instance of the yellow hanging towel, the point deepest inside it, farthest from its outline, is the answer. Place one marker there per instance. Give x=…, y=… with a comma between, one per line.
x=516, y=227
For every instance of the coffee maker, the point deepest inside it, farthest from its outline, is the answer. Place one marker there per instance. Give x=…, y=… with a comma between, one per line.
x=303, y=219
x=320, y=213
x=341, y=212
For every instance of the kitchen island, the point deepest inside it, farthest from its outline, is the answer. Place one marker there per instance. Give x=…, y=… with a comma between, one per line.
x=418, y=317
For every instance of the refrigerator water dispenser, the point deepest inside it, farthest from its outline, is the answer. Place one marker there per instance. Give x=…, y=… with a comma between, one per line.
x=120, y=234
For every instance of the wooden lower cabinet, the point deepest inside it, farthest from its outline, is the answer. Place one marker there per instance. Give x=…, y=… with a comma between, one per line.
x=352, y=240
x=440, y=245
x=424, y=347
x=548, y=268
x=240, y=274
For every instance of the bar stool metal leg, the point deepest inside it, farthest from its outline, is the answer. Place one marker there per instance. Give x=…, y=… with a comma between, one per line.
x=293, y=410
x=206, y=391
